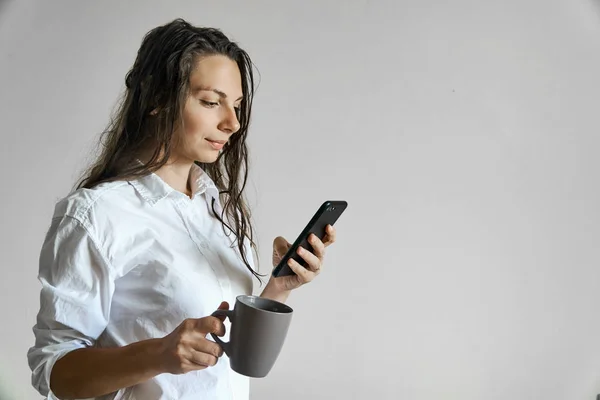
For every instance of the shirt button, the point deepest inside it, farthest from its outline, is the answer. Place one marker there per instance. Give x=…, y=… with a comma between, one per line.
x=204, y=245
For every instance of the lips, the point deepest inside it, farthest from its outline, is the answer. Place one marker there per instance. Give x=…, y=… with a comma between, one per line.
x=217, y=144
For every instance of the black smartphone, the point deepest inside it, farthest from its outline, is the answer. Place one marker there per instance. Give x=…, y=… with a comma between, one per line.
x=327, y=214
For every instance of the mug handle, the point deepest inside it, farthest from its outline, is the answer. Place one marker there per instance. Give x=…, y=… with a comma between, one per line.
x=224, y=345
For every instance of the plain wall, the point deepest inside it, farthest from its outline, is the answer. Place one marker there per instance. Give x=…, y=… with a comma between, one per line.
x=463, y=134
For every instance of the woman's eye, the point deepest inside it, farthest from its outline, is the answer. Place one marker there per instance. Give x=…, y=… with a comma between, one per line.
x=209, y=103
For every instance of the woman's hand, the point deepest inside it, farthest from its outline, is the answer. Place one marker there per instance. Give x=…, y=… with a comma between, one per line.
x=279, y=288
x=187, y=348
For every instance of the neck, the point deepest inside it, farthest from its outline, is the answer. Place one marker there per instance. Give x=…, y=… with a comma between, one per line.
x=176, y=174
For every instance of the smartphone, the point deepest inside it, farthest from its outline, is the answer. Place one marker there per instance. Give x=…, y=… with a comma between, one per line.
x=327, y=214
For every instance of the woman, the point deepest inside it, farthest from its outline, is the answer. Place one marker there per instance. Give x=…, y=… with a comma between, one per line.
x=157, y=235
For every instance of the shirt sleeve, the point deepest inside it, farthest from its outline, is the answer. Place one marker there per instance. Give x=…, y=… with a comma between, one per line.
x=77, y=288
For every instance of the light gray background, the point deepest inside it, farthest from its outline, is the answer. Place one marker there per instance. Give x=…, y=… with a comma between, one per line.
x=463, y=134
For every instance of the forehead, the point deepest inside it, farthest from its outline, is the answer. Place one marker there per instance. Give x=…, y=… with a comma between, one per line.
x=217, y=72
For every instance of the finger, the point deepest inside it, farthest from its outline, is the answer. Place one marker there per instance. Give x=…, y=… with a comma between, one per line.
x=317, y=245
x=223, y=306
x=314, y=263
x=204, y=345
x=280, y=245
x=210, y=325
x=330, y=236
x=203, y=358
x=304, y=275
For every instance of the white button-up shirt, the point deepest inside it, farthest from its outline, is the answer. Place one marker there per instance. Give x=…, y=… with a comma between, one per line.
x=129, y=261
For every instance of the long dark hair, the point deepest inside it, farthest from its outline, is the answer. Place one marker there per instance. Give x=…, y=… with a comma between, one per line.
x=150, y=110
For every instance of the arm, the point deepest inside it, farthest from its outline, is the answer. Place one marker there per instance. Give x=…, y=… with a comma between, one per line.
x=93, y=372
x=272, y=292
x=77, y=288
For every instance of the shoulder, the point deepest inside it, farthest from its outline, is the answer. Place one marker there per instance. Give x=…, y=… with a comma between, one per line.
x=105, y=215
x=96, y=206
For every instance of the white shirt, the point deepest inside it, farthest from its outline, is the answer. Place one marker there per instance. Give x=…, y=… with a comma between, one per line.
x=129, y=261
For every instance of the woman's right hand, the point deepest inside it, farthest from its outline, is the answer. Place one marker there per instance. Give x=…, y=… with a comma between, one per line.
x=187, y=348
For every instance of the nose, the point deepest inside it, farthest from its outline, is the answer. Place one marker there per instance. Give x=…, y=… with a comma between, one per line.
x=229, y=123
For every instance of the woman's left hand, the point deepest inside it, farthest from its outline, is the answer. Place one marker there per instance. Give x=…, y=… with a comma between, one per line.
x=313, y=259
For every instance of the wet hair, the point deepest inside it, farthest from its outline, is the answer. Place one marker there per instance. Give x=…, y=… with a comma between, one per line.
x=151, y=110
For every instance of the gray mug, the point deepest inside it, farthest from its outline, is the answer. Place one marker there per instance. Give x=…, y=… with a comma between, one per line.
x=258, y=329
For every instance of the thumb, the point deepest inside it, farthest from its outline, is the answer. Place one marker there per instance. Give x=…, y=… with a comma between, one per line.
x=223, y=306
x=280, y=247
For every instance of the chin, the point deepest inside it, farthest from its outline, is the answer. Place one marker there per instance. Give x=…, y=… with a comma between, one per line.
x=207, y=158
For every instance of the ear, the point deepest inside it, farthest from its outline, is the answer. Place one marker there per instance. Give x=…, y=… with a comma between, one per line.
x=154, y=112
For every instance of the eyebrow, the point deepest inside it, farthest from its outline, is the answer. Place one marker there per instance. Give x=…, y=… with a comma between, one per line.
x=217, y=91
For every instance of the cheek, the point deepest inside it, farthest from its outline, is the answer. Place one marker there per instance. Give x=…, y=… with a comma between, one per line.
x=194, y=124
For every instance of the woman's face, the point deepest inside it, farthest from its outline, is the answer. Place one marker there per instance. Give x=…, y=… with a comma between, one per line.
x=209, y=114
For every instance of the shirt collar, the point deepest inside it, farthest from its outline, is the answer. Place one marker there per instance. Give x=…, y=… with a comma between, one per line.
x=153, y=189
